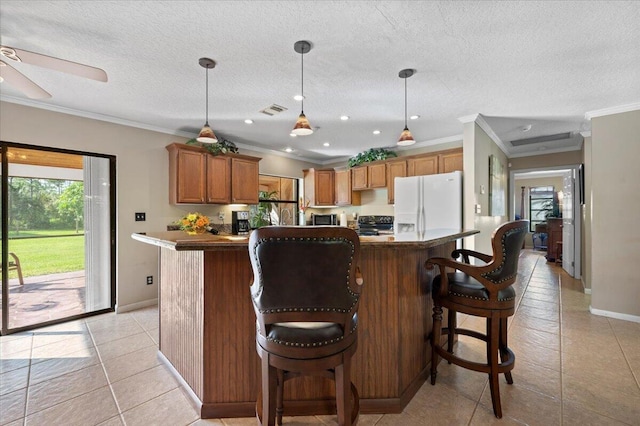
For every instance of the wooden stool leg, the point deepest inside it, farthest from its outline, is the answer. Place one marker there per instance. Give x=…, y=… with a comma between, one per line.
x=452, y=323
x=343, y=392
x=504, y=354
x=493, y=335
x=280, y=397
x=269, y=390
x=435, y=341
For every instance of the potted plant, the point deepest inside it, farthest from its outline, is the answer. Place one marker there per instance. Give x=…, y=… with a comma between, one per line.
x=373, y=154
x=223, y=146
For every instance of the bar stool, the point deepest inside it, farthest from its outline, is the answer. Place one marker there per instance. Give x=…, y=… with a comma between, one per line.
x=484, y=291
x=305, y=291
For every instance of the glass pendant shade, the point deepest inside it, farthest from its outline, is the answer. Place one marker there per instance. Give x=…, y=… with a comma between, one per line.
x=406, y=138
x=302, y=127
x=206, y=135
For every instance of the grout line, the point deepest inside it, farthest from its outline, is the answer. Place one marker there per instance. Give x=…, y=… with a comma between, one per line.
x=624, y=355
x=26, y=394
x=106, y=376
x=560, y=329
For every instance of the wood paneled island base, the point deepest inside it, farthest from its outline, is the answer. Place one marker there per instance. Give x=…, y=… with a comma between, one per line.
x=207, y=324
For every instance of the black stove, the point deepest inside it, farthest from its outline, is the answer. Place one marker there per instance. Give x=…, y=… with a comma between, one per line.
x=375, y=225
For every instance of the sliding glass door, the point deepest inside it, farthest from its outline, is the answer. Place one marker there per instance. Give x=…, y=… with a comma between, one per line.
x=58, y=235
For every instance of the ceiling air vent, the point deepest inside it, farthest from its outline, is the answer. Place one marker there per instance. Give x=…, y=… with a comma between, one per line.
x=273, y=109
x=540, y=139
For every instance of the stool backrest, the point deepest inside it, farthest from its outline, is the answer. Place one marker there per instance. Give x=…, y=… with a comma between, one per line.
x=506, y=242
x=304, y=273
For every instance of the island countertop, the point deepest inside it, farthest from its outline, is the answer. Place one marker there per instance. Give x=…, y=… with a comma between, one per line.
x=179, y=240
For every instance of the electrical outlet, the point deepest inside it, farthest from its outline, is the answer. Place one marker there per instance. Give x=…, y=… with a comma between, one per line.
x=149, y=279
x=141, y=217
x=221, y=216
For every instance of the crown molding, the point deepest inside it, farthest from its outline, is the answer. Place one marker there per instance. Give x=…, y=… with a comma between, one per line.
x=480, y=121
x=94, y=116
x=545, y=152
x=586, y=134
x=613, y=110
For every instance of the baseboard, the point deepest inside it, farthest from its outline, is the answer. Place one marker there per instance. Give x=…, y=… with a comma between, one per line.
x=587, y=290
x=616, y=315
x=135, y=306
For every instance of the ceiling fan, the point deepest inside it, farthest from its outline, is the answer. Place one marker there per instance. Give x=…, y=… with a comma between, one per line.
x=18, y=80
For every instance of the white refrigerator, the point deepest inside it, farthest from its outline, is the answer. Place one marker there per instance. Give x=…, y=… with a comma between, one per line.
x=427, y=207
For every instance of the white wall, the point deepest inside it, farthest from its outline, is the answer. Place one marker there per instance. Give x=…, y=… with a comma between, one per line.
x=615, y=204
x=142, y=183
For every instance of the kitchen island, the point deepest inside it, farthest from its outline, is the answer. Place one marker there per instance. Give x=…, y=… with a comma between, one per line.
x=207, y=323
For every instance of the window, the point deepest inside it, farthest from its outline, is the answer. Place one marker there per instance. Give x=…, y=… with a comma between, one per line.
x=540, y=205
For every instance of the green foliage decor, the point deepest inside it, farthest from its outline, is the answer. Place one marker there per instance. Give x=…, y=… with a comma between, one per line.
x=373, y=154
x=223, y=146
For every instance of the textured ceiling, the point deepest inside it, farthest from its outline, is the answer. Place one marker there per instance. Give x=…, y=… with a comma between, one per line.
x=516, y=63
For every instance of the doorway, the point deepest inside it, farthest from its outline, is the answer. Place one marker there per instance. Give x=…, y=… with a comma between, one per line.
x=564, y=184
x=58, y=235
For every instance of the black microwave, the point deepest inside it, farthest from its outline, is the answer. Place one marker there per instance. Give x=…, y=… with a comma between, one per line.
x=324, y=219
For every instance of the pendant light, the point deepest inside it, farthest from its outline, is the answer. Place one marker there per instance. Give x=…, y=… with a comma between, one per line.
x=302, y=127
x=406, y=138
x=206, y=134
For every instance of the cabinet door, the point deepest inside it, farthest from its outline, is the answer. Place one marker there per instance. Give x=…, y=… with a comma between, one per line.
x=394, y=169
x=190, y=177
x=218, y=180
x=287, y=189
x=324, y=188
x=359, y=178
x=450, y=162
x=244, y=181
x=343, y=188
x=422, y=166
x=377, y=176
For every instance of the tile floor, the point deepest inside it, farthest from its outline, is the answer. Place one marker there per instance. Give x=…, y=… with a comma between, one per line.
x=572, y=368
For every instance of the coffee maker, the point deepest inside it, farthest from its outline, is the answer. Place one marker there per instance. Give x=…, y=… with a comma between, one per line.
x=240, y=222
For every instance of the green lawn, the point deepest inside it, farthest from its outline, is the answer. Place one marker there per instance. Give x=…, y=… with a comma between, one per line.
x=41, y=256
x=42, y=233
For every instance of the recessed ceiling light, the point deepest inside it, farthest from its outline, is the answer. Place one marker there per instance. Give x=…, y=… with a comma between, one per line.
x=344, y=117
x=298, y=97
x=526, y=128
x=414, y=117
x=248, y=121
x=288, y=149
x=326, y=144
x=293, y=135
x=376, y=132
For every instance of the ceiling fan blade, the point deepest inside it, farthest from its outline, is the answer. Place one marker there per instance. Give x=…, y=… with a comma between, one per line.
x=58, y=64
x=18, y=80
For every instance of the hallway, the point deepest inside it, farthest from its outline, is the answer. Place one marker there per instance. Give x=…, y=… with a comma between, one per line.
x=572, y=368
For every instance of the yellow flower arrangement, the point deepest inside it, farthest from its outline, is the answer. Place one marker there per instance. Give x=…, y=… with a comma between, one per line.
x=194, y=223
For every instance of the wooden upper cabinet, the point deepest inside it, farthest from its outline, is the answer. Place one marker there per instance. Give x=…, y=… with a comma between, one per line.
x=421, y=166
x=218, y=179
x=394, y=169
x=187, y=177
x=197, y=177
x=359, y=178
x=450, y=161
x=244, y=181
x=345, y=196
x=319, y=187
x=377, y=174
